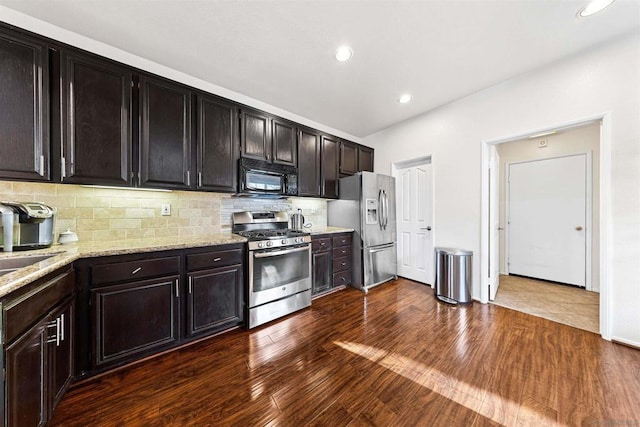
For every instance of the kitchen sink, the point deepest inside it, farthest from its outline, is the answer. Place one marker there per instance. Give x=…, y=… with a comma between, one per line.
x=7, y=265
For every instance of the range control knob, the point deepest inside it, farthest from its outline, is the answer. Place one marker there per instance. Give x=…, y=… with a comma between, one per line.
x=298, y=239
x=260, y=244
x=284, y=241
x=269, y=243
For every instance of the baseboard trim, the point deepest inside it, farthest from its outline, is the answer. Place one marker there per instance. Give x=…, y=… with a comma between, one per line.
x=625, y=342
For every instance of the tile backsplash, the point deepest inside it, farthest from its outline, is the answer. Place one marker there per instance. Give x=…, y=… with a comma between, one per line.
x=101, y=214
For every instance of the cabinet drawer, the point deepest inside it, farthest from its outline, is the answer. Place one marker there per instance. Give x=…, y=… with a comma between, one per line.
x=342, y=278
x=27, y=309
x=341, y=251
x=134, y=270
x=214, y=259
x=342, y=240
x=323, y=244
x=341, y=264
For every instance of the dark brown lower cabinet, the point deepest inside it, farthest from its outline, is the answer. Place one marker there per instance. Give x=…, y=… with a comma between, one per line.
x=214, y=299
x=39, y=356
x=331, y=260
x=25, y=383
x=134, y=318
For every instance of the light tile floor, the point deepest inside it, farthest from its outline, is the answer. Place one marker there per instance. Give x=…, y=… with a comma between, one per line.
x=563, y=304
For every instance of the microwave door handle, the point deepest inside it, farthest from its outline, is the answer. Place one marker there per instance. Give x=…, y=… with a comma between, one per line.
x=278, y=253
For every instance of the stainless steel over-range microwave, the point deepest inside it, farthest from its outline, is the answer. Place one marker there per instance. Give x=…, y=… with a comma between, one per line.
x=258, y=177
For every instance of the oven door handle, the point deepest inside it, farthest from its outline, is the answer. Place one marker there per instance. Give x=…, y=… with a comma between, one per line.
x=277, y=253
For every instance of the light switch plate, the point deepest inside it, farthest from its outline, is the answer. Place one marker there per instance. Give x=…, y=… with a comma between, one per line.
x=165, y=210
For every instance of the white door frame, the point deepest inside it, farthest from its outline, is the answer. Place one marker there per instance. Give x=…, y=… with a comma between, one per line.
x=588, y=212
x=402, y=164
x=604, y=207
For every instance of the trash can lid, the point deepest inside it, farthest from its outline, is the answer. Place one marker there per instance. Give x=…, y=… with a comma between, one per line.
x=454, y=251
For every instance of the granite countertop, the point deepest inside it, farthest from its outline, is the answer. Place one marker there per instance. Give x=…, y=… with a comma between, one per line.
x=62, y=255
x=329, y=230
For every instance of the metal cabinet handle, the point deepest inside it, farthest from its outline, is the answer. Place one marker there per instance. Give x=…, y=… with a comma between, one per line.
x=136, y=270
x=61, y=327
x=190, y=284
x=177, y=288
x=343, y=264
x=199, y=179
x=55, y=324
x=216, y=259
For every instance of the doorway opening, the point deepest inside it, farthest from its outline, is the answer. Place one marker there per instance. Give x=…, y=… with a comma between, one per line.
x=573, y=156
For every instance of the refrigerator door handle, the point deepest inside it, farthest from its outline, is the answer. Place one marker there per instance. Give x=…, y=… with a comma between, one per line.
x=380, y=211
x=381, y=248
x=386, y=210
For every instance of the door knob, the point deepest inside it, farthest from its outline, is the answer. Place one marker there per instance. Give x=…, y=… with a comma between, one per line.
x=578, y=227
x=426, y=228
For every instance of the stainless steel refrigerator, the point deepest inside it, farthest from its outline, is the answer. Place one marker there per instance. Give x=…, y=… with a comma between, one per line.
x=368, y=205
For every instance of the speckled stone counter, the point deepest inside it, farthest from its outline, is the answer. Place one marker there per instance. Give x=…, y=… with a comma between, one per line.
x=62, y=255
x=329, y=230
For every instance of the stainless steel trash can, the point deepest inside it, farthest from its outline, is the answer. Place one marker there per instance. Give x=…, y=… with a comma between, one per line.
x=453, y=275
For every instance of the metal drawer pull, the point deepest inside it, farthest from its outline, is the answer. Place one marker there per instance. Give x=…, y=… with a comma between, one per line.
x=190, y=284
x=216, y=259
x=343, y=264
x=136, y=270
x=61, y=327
x=321, y=243
x=177, y=289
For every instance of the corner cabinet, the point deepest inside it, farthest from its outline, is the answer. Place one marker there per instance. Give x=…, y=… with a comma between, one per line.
x=38, y=331
x=217, y=144
x=268, y=138
x=24, y=108
x=95, y=120
x=165, y=134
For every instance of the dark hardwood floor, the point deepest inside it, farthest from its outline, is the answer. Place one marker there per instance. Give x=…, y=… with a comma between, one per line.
x=395, y=357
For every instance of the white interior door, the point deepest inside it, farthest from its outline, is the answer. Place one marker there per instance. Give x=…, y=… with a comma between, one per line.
x=547, y=219
x=414, y=196
x=494, y=222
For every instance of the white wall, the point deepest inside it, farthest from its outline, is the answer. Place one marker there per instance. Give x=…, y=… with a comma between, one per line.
x=603, y=80
x=582, y=139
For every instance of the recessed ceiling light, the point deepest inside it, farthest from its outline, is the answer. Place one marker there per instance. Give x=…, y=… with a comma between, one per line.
x=344, y=53
x=594, y=6
x=405, y=98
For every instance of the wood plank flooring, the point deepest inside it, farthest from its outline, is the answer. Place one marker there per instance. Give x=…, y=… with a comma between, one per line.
x=393, y=357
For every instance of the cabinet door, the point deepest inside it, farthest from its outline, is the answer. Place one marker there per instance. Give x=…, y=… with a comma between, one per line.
x=165, y=134
x=308, y=163
x=284, y=143
x=61, y=353
x=322, y=271
x=25, y=382
x=96, y=121
x=348, y=158
x=24, y=108
x=133, y=319
x=214, y=299
x=217, y=144
x=255, y=135
x=329, y=179
x=365, y=159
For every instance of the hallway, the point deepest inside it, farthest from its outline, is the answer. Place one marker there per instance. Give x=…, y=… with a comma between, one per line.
x=563, y=304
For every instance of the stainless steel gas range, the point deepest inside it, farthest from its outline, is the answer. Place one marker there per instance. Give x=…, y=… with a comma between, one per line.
x=279, y=276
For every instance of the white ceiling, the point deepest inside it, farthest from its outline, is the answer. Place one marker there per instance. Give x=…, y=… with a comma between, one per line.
x=281, y=52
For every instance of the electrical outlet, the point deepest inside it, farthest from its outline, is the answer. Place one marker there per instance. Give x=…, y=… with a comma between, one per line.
x=165, y=210
x=313, y=211
x=542, y=143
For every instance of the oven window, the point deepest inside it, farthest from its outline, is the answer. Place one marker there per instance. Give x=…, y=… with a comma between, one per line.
x=262, y=181
x=279, y=270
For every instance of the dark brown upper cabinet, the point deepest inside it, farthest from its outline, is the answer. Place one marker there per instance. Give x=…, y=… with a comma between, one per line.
x=308, y=162
x=217, y=144
x=348, y=158
x=165, y=134
x=24, y=108
x=365, y=159
x=267, y=138
x=96, y=120
x=329, y=164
